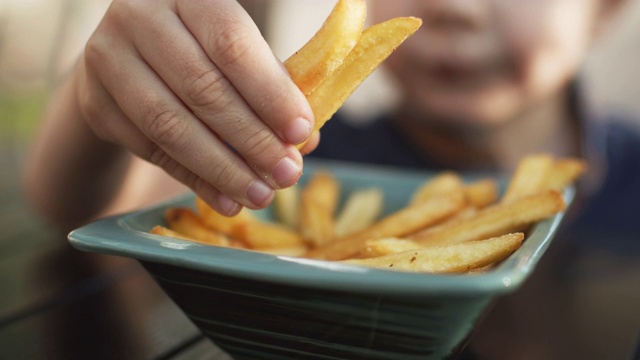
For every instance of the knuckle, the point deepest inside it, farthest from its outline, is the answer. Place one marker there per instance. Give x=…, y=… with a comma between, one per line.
x=93, y=51
x=165, y=127
x=93, y=112
x=192, y=180
x=259, y=144
x=125, y=10
x=224, y=175
x=161, y=159
x=278, y=98
x=231, y=44
x=207, y=90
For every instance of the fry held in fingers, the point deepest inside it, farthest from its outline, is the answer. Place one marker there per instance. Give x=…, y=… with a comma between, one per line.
x=340, y=55
x=374, y=46
x=326, y=50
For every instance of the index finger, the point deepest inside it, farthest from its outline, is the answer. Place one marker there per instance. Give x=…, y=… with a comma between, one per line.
x=234, y=44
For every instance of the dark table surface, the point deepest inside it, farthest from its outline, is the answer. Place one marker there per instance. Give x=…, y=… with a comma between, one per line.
x=59, y=303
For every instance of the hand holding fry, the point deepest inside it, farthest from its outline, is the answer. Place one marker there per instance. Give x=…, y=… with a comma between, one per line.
x=179, y=84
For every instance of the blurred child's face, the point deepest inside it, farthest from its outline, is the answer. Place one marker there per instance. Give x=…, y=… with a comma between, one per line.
x=485, y=61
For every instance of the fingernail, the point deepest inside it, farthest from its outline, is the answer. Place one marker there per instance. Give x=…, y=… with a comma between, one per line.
x=228, y=206
x=286, y=172
x=298, y=131
x=259, y=193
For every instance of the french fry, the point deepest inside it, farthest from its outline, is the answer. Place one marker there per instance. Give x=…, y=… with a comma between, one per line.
x=326, y=50
x=386, y=246
x=564, y=172
x=529, y=176
x=360, y=210
x=261, y=235
x=465, y=213
x=481, y=193
x=286, y=205
x=187, y=222
x=374, y=46
x=443, y=183
x=404, y=221
x=318, y=205
x=295, y=251
x=163, y=231
x=447, y=259
x=226, y=225
x=496, y=220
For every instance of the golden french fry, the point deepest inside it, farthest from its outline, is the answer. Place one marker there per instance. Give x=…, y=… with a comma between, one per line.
x=360, y=210
x=386, y=246
x=326, y=50
x=295, y=251
x=224, y=224
x=465, y=213
x=404, y=221
x=186, y=221
x=481, y=193
x=443, y=183
x=564, y=172
x=319, y=201
x=529, y=176
x=374, y=46
x=163, y=231
x=286, y=205
x=496, y=220
x=447, y=259
x=259, y=235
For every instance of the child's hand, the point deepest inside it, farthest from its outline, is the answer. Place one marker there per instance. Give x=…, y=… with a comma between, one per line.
x=192, y=87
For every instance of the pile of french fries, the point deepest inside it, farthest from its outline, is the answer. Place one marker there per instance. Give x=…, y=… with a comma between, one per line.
x=449, y=225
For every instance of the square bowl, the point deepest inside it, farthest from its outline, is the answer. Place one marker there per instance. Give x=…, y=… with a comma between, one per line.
x=257, y=305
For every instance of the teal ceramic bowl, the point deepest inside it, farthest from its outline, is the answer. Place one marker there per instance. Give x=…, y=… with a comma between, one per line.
x=261, y=306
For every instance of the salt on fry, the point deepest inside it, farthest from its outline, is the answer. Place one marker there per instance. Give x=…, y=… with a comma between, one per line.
x=455, y=258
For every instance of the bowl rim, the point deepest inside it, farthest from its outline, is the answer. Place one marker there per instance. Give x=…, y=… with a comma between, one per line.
x=116, y=235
